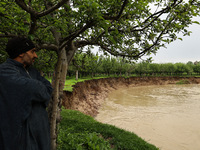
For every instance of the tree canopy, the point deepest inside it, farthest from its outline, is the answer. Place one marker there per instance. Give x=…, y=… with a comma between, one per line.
x=119, y=27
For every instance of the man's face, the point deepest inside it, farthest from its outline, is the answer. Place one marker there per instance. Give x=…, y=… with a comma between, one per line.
x=29, y=57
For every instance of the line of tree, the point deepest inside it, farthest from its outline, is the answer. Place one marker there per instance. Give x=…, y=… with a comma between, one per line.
x=127, y=28
x=89, y=64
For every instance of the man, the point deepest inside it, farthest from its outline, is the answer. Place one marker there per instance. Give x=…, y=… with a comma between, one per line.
x=24, y=96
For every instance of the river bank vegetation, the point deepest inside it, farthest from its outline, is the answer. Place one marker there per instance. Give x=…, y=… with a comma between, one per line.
x=81, y=132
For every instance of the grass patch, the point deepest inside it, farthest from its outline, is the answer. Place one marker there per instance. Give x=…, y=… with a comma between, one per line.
x=69, y=82
x=183, y=82
x=72, y=81
x=81, y=132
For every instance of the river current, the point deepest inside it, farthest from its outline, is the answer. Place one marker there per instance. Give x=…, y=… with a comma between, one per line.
x=167, y=116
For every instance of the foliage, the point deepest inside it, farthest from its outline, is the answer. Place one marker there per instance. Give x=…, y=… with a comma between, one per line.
x=196, y=67
x=115, y=66
x=3, y=56
x=85, y=62
x=68, y=140
x=121, y=28
x=81, y=130
x=46, y=62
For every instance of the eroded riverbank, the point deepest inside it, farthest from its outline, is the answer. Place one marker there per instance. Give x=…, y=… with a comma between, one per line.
x=169, y=128
x=88, y=96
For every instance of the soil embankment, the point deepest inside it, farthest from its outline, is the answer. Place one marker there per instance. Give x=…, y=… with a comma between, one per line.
x=88, y=96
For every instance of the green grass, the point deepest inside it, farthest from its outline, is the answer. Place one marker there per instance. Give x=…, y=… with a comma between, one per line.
x=72, y=81
x=69, y=82
x=183, y=82
x=81, y=132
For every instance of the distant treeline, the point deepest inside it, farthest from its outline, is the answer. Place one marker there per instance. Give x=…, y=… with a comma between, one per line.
x=89, y=64
x=93, y=65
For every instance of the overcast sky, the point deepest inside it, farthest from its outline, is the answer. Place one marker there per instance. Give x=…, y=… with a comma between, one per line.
x=181, y=51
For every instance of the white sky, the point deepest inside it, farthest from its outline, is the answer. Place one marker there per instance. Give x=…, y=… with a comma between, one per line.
x=181, y=51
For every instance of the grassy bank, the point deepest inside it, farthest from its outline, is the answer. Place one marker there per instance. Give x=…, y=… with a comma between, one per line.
x=72, y=81
x=82, y=132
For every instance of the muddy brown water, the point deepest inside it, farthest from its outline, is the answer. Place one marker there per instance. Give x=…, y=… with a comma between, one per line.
x=167, y=116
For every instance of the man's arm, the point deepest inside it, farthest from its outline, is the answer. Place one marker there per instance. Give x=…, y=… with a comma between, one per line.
x=44, y=81
x=15, y=83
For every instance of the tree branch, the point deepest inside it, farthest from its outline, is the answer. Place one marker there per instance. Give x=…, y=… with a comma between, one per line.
x=82, y=43
x=30, y=10
x=106, y=17
x=157, y=14
x=61, y=3
x=74, y=35
x=48, y=46
x=122, y=8
x=140, y=54
x=157, y=40
x=35, y=15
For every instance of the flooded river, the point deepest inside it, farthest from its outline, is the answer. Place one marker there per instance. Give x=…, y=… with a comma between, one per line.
x=167, y=116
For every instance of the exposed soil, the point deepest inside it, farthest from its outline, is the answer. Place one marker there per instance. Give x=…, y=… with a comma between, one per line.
x=88, y=96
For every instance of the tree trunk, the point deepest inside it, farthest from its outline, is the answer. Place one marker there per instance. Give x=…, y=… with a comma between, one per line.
x=92, y=75
x=76, y=74
x=58, y=85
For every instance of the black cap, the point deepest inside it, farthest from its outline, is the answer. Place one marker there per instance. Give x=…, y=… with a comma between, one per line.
x=18, y=45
